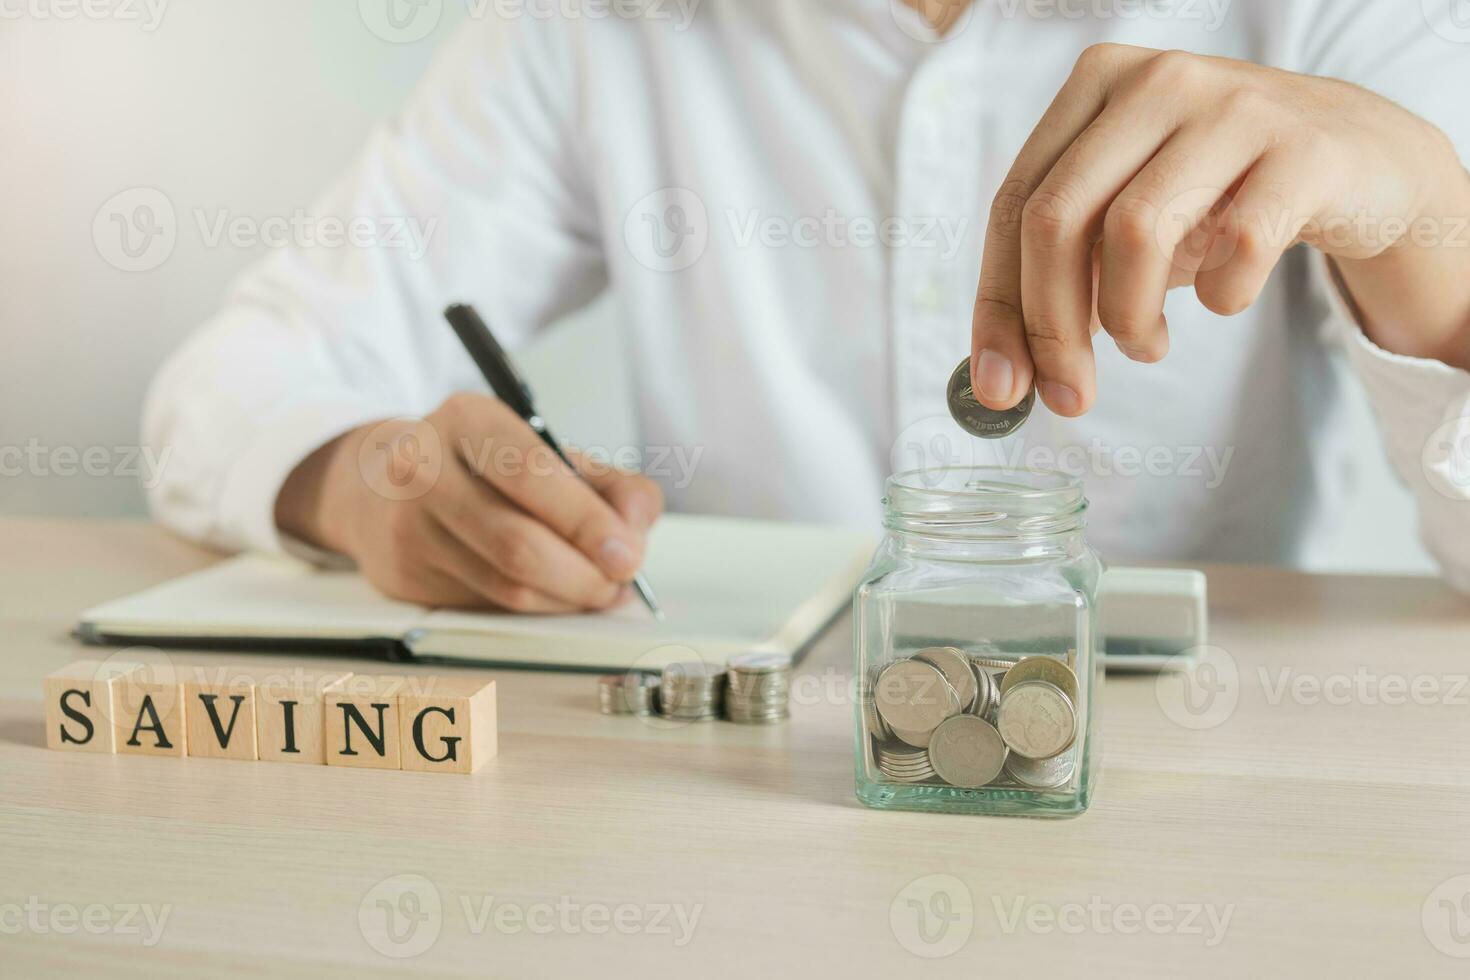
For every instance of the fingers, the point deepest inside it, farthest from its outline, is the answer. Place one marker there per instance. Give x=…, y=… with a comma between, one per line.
x=467, y=572
x=1265, y=219
x=1148, y=223
x=419, y=561
x=1003, y=369
x=528, y=473
x=1061, y=222
x=518, y=547
x=636, y=498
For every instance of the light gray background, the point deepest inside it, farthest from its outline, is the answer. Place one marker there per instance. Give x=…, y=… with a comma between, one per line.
x=251, y=108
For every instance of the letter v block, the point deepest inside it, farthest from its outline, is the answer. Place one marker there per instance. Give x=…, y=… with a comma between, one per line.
x=79, y=705
x=449, y=726
x=290, y=710
x=361, y=723
x=219, y=713
x=148, y=711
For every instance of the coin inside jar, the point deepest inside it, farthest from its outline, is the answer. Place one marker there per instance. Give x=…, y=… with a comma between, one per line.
x=1037, y=720
x=975, y=418
x=956, y=669
x=1048, y=669
x=1041, y=773
x=914, y=697
x=989, y=697
x=967, y=752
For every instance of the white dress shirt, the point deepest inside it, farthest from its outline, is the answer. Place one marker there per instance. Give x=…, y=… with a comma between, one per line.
x=789, y=197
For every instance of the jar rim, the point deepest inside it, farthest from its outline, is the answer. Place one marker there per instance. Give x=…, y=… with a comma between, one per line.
x=991, y=500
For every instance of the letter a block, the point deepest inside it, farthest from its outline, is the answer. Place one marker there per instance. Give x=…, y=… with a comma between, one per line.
x=290, y=710
x=361, y=723
x=148, y=712
x=79, y=705
x=219, y=712
x=449, y=726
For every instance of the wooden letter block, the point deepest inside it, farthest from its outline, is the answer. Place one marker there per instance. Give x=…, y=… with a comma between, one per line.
x=148, y=712
x=448, y=725
x=361, y=723
x=289, y=715
x=219, y=713
x=79, y=705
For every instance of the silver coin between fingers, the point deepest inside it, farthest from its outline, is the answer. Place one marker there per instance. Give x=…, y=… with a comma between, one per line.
x=914, y=697
x=1037, y=719
x=974, y=417
x=967, y=752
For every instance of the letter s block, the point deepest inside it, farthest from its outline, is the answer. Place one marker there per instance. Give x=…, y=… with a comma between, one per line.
x=450, y=726
x=361, y=722
x=79, y=705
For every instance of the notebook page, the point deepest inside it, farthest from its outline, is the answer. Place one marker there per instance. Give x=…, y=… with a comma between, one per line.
x=722, y=583
x=258, y=597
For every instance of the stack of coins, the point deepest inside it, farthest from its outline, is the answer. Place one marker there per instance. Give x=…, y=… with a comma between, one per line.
x=973, y=721
x=904, y=764
x=758, y=689
x=692, y=691
x=632, y=693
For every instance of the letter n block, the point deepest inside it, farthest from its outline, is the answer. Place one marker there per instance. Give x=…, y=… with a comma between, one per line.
x=79, y=705
x=361, y=723
x=290, y=711
x=148, y=711
x=449, y=726
x=219, y=712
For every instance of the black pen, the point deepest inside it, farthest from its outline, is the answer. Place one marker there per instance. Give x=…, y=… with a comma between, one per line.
x=510, y=388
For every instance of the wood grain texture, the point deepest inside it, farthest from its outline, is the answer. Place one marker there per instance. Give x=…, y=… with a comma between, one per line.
x=1325, y=828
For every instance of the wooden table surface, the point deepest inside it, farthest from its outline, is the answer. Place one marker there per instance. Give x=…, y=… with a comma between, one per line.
x=1320, y=824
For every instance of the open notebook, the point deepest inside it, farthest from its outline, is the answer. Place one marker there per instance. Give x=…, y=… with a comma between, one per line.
x=725, y=586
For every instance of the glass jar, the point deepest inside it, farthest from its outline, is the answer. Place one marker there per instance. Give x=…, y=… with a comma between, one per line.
x=977, y=663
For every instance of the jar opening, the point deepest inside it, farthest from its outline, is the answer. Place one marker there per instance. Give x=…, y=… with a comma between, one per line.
x=984, y=501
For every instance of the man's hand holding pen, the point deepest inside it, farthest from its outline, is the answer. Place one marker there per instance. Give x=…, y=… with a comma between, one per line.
x=470, y=508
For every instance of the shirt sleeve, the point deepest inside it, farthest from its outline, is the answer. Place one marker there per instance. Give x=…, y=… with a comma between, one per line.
x=1419, y=58
x=474, y=194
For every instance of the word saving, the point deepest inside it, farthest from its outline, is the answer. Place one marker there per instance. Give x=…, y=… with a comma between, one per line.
x=370, y=721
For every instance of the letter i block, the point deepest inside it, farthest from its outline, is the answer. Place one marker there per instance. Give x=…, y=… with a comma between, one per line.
x=449, y=726
x=219, y=712
x=79, y=705
x=148, y=712
x=361, y=722
x=290, y=710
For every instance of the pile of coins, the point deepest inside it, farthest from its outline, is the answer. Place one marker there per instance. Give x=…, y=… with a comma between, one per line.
x=628, y=694
x=758, y=689
x=972, y=721
x=754, y=689
x=692, y=691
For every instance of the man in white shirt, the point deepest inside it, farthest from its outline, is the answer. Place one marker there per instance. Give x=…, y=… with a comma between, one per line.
x=795, y=201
